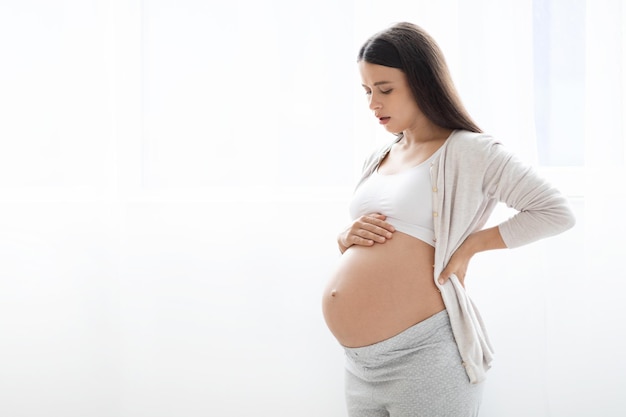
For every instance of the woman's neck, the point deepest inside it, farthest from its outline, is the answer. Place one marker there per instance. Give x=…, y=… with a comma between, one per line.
x=425, y=132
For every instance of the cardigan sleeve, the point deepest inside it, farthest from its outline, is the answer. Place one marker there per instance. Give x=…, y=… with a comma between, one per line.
x=542, y=211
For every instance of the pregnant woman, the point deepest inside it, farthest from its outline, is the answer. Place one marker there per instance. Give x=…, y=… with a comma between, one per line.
x=415, y=344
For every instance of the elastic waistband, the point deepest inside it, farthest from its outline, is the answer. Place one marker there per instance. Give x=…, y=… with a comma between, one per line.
x=407, y=338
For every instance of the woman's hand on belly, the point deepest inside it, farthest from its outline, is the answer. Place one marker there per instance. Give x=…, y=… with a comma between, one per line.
x=365, y=231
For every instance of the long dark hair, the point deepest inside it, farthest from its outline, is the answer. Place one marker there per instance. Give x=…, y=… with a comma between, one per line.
x=409, y=48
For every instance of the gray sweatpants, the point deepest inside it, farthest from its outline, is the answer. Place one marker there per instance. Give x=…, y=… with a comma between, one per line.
x=417, y=373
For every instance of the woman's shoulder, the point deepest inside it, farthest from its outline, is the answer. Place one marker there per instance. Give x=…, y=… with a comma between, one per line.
x=473, y=148
x=467, y=140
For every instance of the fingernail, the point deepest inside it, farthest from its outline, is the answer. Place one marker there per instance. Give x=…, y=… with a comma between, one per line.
x=441, y=281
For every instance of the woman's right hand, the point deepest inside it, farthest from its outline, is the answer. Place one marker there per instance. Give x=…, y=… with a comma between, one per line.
x=365, y=231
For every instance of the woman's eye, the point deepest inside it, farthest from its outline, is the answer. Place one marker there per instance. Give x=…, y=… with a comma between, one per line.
x=369, y=92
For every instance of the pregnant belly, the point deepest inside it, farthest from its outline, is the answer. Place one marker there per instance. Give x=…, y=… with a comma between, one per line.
x=378, y=291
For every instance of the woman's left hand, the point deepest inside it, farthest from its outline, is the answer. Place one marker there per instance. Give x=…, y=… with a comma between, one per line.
x=483, y=240
x=458, y=266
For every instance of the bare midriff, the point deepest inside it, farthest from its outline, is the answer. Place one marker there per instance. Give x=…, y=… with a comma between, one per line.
x=378, y=291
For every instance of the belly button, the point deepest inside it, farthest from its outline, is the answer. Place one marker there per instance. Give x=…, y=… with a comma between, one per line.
x=333, y=293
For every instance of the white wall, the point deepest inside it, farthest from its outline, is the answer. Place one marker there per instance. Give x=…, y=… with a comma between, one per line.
x=152, y=265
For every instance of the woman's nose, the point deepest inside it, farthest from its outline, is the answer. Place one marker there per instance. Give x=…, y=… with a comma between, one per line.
x=374, y=103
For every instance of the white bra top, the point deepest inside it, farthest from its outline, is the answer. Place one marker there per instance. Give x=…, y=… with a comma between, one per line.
x=405, y=198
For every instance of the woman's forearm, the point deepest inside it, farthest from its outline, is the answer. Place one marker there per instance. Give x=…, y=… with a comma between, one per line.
x=484, y=240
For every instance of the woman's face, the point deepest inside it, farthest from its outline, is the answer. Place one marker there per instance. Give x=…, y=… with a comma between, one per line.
x=390, y=97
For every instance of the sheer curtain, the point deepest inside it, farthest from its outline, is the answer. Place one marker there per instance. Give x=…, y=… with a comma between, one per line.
x=173, y=175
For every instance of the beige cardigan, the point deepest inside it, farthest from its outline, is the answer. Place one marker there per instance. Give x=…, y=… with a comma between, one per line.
x=470, y=176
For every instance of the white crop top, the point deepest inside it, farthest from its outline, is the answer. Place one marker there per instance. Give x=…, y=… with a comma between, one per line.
x=405, y=198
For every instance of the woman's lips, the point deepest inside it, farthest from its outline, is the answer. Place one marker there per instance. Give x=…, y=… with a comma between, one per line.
x=383, y=120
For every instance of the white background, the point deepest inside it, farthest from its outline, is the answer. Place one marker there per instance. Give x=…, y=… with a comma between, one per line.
x=173, y=176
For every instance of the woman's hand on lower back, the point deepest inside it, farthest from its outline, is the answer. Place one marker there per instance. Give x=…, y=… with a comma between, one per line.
x=458, y=266
x=486, y=239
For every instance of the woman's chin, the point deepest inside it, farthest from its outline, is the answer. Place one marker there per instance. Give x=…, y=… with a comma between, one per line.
x=392, y=130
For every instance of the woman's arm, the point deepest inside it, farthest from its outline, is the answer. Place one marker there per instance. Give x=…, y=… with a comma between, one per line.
x=483, y=240
x=542, y=211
